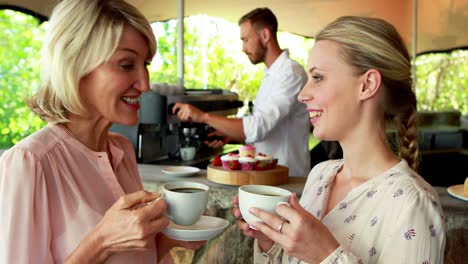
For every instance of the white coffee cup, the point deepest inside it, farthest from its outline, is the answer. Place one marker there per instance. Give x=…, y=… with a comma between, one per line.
x=264, y=197
x=186, y=201
x=187, y=153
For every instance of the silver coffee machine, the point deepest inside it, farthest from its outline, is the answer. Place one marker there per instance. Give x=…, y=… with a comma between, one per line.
x=159, y=134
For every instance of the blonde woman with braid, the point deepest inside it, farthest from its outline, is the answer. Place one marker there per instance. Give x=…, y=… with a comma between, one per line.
x=371, y=206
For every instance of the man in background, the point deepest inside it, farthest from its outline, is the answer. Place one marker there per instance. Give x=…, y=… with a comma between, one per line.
x=279, y=124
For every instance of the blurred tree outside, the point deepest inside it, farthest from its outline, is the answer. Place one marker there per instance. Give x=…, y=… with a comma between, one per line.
x=213, y=59
x=20, y=42
x=442, y=81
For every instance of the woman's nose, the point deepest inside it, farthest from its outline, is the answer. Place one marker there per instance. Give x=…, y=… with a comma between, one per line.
x=305, y=95
x=142, y=81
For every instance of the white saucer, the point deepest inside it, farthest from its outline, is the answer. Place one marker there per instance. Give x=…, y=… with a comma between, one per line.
x=206, y=228
x=180, y=171
x=457, y=192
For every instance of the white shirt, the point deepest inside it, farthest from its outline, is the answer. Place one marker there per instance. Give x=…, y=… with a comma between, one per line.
x=279, y=124
x=395, y=217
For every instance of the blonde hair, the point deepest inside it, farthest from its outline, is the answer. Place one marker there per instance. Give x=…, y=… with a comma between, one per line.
x=372, y=43
x=81, y=35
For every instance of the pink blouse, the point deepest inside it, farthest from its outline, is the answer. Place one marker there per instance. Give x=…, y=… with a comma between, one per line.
x=54, y=191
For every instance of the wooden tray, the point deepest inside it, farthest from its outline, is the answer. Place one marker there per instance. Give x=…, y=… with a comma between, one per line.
x=275, y=176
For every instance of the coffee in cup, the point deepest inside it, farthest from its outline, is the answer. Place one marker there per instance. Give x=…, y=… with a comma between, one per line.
x=187, y=190
x=264, y=197
x=186, y=201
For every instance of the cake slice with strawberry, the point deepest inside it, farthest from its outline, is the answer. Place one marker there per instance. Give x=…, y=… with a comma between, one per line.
x=263, y=161
x=247, y=150
x=230, y=161
x=217, y=161
x=247, y=163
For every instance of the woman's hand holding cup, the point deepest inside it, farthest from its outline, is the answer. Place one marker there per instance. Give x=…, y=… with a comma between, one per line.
x=298, y=232
x=264, y=197
x=264, y=242
x=260, y=198
x=129, y=226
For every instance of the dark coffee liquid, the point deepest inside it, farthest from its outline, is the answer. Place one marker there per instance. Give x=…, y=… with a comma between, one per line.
x=268, y=194
x=187, y=190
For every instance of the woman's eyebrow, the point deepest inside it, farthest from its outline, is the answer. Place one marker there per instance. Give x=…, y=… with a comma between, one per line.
x=312, y=69
x=128, y=50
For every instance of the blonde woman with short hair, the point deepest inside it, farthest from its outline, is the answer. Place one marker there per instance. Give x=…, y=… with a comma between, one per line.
x=71, y=192
x=371, y=206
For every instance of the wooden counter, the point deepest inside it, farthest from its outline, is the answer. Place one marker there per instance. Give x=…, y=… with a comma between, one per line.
x=152, y=174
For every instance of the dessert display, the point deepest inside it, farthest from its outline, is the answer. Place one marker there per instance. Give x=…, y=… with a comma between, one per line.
x=264, y=161
x=247, y=150
x=230, y=161
x=247, y=163
x=217, y=161
x=246, y=160
x=247, y=167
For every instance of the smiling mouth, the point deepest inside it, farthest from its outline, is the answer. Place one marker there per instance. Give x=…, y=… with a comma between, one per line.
x=130, y=100
x=315, y=114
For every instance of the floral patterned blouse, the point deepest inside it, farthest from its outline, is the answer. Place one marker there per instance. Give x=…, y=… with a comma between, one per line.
x=395, y=217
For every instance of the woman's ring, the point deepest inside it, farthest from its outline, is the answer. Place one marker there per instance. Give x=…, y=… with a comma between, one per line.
x=281, y=227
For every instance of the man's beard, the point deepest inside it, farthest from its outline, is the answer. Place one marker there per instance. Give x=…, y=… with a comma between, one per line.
x=259, y=55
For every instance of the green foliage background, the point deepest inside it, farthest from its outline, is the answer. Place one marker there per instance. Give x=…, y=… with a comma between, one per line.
x=20, y=42
x=442, y=81
x=213, y=59
x=213, y=56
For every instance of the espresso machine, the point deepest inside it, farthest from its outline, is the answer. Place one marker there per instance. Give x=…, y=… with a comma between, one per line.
x=159, y=134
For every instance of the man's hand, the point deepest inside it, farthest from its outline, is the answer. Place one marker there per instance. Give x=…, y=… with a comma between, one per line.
x=216, y=139
x=187, y=112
